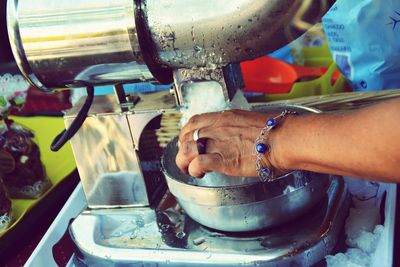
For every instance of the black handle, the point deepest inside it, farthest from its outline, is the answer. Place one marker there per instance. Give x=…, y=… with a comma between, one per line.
x=67, y=134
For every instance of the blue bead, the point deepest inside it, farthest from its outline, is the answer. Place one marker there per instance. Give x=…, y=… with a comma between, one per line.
x=261, y=148
x=265, y=172
x=271, y=122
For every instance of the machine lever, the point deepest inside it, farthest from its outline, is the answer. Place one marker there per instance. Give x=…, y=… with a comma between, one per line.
x=67, y=134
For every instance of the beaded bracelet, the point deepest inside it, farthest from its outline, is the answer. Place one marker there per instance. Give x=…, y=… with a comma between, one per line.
x=267, y=173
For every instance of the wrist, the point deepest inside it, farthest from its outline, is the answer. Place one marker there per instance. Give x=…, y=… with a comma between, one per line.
x=266, y=167
x=281, y=147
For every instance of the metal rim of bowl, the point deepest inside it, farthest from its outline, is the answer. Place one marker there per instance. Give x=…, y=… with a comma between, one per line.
x=254, y=193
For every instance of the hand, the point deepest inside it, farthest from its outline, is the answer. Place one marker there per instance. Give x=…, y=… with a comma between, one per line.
x=230, y=139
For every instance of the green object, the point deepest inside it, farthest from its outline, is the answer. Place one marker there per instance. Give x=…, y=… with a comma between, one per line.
x=3, y=102
x=317, y=56
x=320, y=86
x=19, y=101
x=58, y=164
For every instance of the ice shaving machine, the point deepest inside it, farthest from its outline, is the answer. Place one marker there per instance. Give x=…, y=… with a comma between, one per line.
x=86, y=43
x=186, y=43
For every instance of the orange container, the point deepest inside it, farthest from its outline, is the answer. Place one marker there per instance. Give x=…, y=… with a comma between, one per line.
x=329, y=83
x=273, y=76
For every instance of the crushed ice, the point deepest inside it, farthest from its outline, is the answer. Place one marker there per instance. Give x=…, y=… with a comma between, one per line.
x=363, y=229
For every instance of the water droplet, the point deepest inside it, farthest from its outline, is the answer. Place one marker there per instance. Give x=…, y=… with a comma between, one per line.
x=180, y=235
x=197, y=48
x=164, y=228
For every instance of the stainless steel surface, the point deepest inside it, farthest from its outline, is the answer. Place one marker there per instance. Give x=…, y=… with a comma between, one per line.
x=158, y=102
x=243, y=203
x=71, y=42
x=191, y=33
x=107, y=162
x=64, y=43
x=115, y=168
x=279, y=107
x=167, y=237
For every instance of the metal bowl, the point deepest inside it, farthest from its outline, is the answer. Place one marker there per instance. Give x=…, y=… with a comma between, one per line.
x=238, y=204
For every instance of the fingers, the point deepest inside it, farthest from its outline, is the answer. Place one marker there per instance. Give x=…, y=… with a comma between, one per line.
x=187, y=152
x=230, y=118
x=205, y=163
x=189, y=136
x=189, y=161
x=198, y=122
x=222, y=134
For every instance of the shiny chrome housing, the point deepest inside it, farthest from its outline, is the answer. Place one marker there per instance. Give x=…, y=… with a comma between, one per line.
x=192, y=33
x=115, y=167
x=68, y=43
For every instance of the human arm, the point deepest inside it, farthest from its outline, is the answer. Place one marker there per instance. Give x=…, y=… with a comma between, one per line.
x=362, y=143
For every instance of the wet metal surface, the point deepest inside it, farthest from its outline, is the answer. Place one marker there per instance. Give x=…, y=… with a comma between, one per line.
x=168, y=236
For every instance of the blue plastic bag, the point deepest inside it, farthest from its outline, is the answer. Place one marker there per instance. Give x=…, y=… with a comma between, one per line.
x=364, y=38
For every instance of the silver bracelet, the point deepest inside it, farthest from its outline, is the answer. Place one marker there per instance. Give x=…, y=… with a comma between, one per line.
x=262, y=147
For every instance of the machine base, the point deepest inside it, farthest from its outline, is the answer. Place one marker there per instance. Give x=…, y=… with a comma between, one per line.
x=167, y=236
